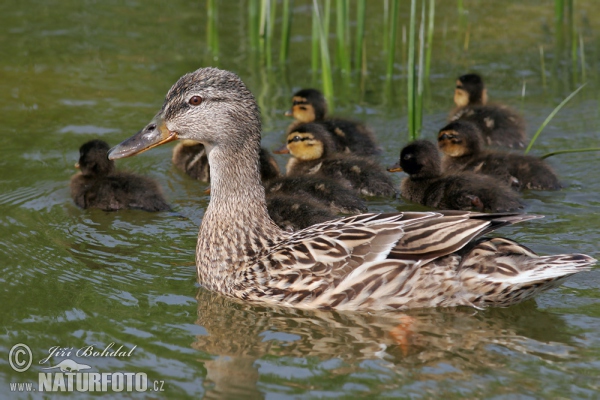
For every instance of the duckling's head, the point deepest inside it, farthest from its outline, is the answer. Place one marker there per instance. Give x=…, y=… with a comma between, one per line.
x=310, y=142
x=420, y=159
x=470, y=90
x=210, y=106
x=308, y=105
x=93, y=160
x=460, y=138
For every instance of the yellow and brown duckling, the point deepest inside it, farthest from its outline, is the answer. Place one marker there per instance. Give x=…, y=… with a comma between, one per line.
x=313, y=153
x=499, y=124
x=365, y=262
x=309, y=105
x=99, y=185
x=427, y=185
x=462, y=145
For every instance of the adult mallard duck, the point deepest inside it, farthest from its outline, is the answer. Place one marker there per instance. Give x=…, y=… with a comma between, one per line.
x=427, y=185
x=99, y=185
x=499, y=124
x=369, y=261
x=462, y=145
x=313, y=153
x=309, y=105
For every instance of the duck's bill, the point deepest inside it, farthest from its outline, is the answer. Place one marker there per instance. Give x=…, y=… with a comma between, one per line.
x=282, y=150
x=154, y=134
x=395, y=168
x=289, y=113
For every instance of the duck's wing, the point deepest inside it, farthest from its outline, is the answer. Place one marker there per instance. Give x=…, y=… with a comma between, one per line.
x=337, y=251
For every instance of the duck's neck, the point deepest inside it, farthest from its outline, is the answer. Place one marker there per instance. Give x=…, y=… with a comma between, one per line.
x=236, y=226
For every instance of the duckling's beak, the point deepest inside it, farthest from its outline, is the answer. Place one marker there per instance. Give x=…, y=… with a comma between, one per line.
x=76, y=165
x=395, y=168
x=154, y=134
x=207, y=190
x=289, y=113
x=282, y=150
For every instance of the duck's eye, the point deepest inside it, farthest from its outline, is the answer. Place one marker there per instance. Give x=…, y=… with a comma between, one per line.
x=195, y=100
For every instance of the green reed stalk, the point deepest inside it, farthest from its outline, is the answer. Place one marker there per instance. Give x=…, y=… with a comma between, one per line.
x=325, y=61
x=315, y=45
x=286, y=26
x=582, y=52
x=392, y=39
x=430, y=25
x=543, y=66
x=570, y=151
x=212, y=36
x=361, y=7
x=549, y=118
x=341, y=27
x=253, y=24
x=411, y=95
x=262, y=28
x=386, y=23
x=420, y=67
x=272, y=15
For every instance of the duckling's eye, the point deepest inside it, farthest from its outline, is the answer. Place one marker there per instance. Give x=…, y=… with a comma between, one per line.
x=195, y=100
x=297, y=139
x=407, y=156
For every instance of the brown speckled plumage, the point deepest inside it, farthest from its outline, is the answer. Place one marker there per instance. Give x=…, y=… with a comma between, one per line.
x=462, y=145
x=368, y=261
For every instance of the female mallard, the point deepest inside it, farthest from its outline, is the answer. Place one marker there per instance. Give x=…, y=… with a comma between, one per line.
x=313, y=153
x=98, y=185
x=309, y=105
x=427, y=185
x=499, y=125
x=462, y=145
x=369, y=261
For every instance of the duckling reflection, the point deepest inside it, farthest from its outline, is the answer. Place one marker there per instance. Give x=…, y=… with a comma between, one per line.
x=242, y=337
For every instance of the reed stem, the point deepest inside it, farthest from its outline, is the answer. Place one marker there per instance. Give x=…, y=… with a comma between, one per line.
x=391, y=49
x=325, y=61
x=286, y=28
x=569, y=151
x=411, y=95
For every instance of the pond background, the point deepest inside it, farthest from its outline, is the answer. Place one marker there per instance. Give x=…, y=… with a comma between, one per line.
x=74, y=70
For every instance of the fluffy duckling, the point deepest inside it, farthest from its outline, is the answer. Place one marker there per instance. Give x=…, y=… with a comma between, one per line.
x=336, y=196
x=462, y=145
x=499, y=125
x=191, y=158
x=427, y=185
x=313, y=153
x=297, y=211
x=98, y=185
x=309, y=105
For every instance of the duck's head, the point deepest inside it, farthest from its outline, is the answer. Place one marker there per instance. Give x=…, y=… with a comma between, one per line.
x=460, y=138
x=419, y=159
x=210, y=106
x=470, y=90
x=309, y=142
x=308, y=105
x=93, y=160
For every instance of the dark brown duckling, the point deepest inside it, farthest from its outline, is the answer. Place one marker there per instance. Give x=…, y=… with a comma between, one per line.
x=499, y=124
x=313, y=153
x=462, y=145
x=191, y=158
x=427, y=185
x=331, y=193
x=98, y=185
x=297, y=211
x=309, y=105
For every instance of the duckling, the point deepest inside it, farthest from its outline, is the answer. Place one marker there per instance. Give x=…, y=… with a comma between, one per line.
x=191, y=158
x=331, y=193
x=462, y=145
x=98, y=185
x=465, y=191
x=499, y=124
x=309, y=105
x=313, y=153
x=297, y=211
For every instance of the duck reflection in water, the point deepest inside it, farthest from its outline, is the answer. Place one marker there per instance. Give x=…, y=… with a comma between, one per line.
x=250, y=345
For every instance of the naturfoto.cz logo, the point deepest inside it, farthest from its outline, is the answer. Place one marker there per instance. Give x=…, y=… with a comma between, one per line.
x=67, y=375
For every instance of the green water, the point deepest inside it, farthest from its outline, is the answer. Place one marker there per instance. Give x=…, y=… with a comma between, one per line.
x=75, y=70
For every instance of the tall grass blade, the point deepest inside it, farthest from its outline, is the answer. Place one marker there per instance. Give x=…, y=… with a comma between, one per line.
x=420, y=67
x=549, y=118
x=392, y=39
x=361, y=7
x=212, y=36
x=341, y=27
x=253, y=24
x=315, y=60
x=325, y=61
x=569, y=151
x=430, y=25
x=286, y=27
x=411, y=95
